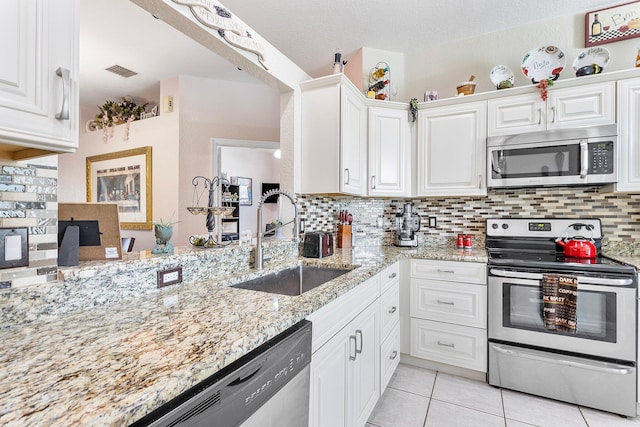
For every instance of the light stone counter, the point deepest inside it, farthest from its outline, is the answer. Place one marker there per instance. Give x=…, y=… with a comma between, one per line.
x=112, y=364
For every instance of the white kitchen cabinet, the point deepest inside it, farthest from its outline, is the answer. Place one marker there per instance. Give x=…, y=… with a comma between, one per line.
x=629, y=135
x=334, y=137
x=345, y=367
x=38, y=77
x=448, y=313
x=452, y=150
x=586, y=105
x=389, y=152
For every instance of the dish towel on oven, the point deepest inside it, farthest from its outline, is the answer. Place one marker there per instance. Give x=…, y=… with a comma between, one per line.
x=560, y=301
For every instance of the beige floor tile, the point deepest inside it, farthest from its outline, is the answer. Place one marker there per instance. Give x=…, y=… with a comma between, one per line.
x=443, y=414
x=413, y=379
x=397, y=408
x=468, y=393
x=540, y=411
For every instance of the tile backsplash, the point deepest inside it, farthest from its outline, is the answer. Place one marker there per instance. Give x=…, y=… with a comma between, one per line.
x=619, y=212
x=29, y=198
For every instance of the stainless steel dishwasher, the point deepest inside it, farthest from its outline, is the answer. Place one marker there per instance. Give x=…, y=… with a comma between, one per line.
x=266, y=387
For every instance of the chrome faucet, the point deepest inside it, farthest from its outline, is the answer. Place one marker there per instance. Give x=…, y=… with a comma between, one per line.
x=260, y=234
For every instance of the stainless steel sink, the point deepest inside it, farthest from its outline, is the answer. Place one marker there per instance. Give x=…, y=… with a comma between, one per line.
x=293, y=281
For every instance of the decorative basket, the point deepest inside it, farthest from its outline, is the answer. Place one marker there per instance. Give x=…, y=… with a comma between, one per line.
x=467, y=88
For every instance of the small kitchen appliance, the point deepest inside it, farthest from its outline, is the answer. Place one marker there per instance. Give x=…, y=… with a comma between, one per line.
x=407, y=224
x=317, y=244
x=591, y=359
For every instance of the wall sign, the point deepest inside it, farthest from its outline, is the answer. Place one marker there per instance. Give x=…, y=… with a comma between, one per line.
x=213, y=15
x=612, y=24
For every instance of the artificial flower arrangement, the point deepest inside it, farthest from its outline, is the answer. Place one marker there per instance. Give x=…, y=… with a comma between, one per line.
x=116, y=113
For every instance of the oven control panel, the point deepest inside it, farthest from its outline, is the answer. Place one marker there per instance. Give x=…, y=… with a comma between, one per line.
x=544, y=227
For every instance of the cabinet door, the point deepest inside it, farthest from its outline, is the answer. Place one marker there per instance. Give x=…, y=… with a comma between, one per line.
x=516, y=114
x=364, y=376
x=581, y=106
x=451, y=150
x=629, y=137
x=329, y=372
x=38, y=38
x=353, y=138
x=389, y=166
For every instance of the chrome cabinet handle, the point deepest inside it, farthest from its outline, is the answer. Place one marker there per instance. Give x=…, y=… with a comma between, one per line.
x=393, y=309
x=393, y=355
x=346, y=171
x=553, y=114
x=373, y=181
x=359, y=350
x=392, y=276
x=446, y=345
x=480, y=181
x=64, y=110
x=440, y=270
x=355, y=347
x=446, y=302
x=539, y=115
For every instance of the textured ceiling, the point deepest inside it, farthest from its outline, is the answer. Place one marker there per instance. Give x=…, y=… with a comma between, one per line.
x=119, y=32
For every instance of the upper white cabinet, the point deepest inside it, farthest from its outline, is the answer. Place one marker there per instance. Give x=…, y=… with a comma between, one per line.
x=629, y=135
x=334, y=137
x=38, y=76
x=585, y=105
x=389, y=152
x=451, y=150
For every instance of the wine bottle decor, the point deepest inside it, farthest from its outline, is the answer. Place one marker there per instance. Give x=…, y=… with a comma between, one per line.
x=380, y=81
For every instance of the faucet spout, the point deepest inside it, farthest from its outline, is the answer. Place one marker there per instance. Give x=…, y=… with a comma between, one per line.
x=259, y=258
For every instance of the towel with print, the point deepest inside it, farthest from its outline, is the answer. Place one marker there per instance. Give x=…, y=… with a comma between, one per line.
x=560, y=298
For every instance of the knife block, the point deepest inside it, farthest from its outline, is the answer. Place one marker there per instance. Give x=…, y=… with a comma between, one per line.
x=344, y=236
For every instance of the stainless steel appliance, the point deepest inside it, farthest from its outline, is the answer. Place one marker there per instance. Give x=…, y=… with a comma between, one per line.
x=594, y=365
x=407, y=224
x=267, y=387
x=317, y=244
x=584, y=156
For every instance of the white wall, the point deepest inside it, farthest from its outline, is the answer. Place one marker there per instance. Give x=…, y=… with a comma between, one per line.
x=260, y=166
x=445, y=67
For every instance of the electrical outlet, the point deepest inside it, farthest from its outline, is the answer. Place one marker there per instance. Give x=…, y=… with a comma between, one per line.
x=432, y=222
x=169, y=277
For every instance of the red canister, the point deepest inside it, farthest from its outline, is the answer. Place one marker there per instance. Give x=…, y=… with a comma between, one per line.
x=467, y=241
x=460, y=242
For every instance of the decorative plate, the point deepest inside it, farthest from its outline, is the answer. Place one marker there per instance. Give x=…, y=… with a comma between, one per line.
x=546, y=62
x=501, y=76
x=599, y=56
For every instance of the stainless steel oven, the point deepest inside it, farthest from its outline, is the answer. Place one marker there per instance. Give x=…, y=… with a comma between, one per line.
x=593, y=365
x=583, y=156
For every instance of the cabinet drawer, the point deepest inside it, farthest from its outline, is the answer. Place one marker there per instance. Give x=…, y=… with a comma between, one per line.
x=389, y=356
x=452, y=271
x=389, y=276
x=451, y=344
x=451, y=302
x=389, y=310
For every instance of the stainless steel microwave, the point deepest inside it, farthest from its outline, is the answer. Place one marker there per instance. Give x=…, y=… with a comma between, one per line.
x=580, y=156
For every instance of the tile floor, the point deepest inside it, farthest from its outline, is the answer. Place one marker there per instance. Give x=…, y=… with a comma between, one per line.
x=417, y=397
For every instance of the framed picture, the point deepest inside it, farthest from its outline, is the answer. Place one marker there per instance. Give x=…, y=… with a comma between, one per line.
x=245, y=191
x=123, y=177
x=612, y=24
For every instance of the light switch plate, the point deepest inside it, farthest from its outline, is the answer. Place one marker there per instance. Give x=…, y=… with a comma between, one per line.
x=432, y=222
x=14, y=247
x=169, y=277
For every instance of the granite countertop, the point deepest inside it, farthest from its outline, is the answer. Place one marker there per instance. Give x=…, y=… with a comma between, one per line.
x=113, y=364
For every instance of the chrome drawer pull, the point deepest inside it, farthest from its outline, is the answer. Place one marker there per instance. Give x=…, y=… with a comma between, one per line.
x=392, y=310
x=445, y=271
x=446, y=302
x=392, y=276
x=355, y=346
x=358, y=332
x=393, y=355
x=446, y=345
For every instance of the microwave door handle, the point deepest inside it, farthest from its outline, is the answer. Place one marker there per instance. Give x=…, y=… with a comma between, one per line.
x=496, y=157
x=584, y=159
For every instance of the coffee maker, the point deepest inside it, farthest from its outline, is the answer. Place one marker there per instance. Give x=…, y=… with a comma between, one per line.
x=407, y=224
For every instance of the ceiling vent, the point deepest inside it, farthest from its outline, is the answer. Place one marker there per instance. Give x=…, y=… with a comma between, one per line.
x=121, y=71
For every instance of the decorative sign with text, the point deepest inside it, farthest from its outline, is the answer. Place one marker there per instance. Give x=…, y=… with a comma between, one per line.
x=612, y=24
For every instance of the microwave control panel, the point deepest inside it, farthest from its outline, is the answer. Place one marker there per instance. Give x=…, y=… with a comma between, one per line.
x=601, y=158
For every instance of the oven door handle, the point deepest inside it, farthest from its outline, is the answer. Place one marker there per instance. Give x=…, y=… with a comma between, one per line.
x=586, y=280
x=610, y=368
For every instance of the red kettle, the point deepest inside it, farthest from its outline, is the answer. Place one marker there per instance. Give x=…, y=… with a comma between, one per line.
x=578, y=246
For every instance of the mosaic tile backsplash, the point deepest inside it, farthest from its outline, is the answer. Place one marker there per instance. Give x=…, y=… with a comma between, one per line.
x=29, y=198
x=619, y=212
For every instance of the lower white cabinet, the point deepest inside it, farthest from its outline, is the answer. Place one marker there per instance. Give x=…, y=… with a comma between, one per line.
x=356, y=348
x=448, y=313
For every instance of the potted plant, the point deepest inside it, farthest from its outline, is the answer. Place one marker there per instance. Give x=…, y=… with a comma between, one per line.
x=163, y=232
x=114, y=113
